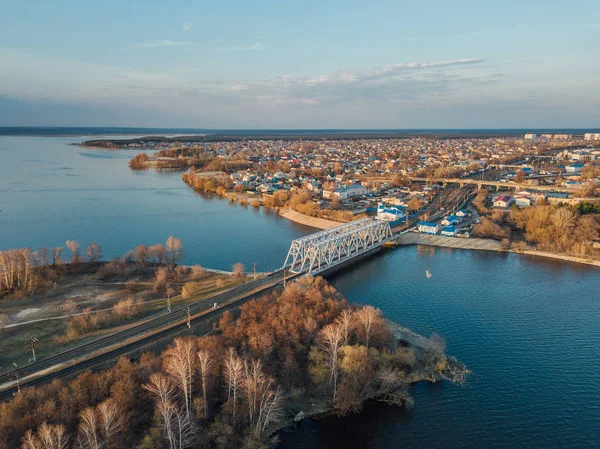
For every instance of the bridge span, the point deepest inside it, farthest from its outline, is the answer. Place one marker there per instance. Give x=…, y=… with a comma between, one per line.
x=497, y=184
x=326, y=249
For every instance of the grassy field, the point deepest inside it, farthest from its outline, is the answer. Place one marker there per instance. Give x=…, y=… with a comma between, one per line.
x=45, y=317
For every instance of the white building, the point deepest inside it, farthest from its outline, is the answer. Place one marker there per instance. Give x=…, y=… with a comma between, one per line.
x=530, y=136
x=425, y=227
x=503, y=201
x=591, y=136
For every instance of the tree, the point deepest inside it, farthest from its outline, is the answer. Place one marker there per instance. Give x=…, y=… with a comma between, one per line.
x=89, y=437
x=205, y=363
x=174, y=251
x=3, y=322
x=161, y=387
x=366, y=318
x=43, y=258
x=233, y=371
x=415, y=203
x=56, y=253
x=75, y=251
x=263, y=398
x=520, y=177
x=48, y=436
x=158, y=253
x=331, y=339
x=346, y=320
x=110, y=421
x=238, y=270
x=179, y=360
x=93, y=252
x=141, y=253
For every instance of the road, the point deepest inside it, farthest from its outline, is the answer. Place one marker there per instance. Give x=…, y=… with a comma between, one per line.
x=138, y=336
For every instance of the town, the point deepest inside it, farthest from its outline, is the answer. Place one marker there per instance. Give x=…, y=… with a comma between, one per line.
x=427, y=184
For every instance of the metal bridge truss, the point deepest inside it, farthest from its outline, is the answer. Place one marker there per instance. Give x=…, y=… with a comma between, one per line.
x=325, y=249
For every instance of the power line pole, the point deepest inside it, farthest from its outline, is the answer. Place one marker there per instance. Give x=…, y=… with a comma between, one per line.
x=168, y=298
x=32, y=342
x=17, y=377
x=189, y=319
x=254, y=270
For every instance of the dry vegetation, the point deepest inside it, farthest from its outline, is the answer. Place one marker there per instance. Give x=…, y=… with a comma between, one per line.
x=304, y=345
x=558, y=228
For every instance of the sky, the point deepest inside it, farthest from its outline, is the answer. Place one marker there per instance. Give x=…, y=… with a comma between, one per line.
x=274, y=64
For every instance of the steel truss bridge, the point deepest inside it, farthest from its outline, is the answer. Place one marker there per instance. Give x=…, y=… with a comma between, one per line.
x=325, y=249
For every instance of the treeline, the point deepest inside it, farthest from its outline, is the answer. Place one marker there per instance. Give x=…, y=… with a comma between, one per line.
x=558, y=228
x=561, y=229
x=24, y=271
x=230, y=389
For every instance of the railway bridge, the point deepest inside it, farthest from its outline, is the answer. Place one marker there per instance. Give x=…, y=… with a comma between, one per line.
x=326, y=249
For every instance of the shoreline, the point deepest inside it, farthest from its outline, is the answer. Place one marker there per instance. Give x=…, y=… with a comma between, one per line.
x=313, y=222
x=477, y=244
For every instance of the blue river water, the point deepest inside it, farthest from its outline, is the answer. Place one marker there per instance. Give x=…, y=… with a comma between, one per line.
x=528, y=328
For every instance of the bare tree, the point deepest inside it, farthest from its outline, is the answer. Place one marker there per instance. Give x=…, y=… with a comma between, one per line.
x=93, y=252
x=346, y=320
x=205, y=364
x=179, y=363
x=174, y=251
x=56, y=253
x=184, y=428
x=3, y=322
x=271, y=409
x=161, y=387
x=47, y=437
x=75, y=251
x=17, y=270
x=177, y=426
x=110, y=422
x=262, y=396
x=43, y=257
x=141, y=254
x=53, y=436
x=234, y=371
x=88, y=435
x=367, y=317
x=158, y=253
x=330, y=340
x=238, y=270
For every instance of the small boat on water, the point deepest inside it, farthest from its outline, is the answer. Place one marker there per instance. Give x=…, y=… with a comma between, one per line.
x=428, y=274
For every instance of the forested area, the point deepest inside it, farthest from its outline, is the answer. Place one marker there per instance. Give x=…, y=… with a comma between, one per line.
x=560, y=228
x=287, y=350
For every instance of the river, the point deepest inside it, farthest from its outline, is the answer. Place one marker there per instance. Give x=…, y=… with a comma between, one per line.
x=528, y=328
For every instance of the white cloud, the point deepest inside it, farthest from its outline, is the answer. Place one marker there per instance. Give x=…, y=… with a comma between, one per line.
x=186, y=26
x=163, y=43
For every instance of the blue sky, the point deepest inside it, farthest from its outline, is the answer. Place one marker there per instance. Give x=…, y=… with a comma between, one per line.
x=305, y=64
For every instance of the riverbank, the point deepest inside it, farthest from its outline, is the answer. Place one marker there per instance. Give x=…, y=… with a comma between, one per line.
x=413, y=238
x=315, y=222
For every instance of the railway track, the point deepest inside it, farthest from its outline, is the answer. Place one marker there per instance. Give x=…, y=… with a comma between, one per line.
x=149, y=331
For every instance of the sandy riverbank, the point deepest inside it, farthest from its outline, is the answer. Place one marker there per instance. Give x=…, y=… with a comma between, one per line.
x=315, y=222
x=413, y=238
